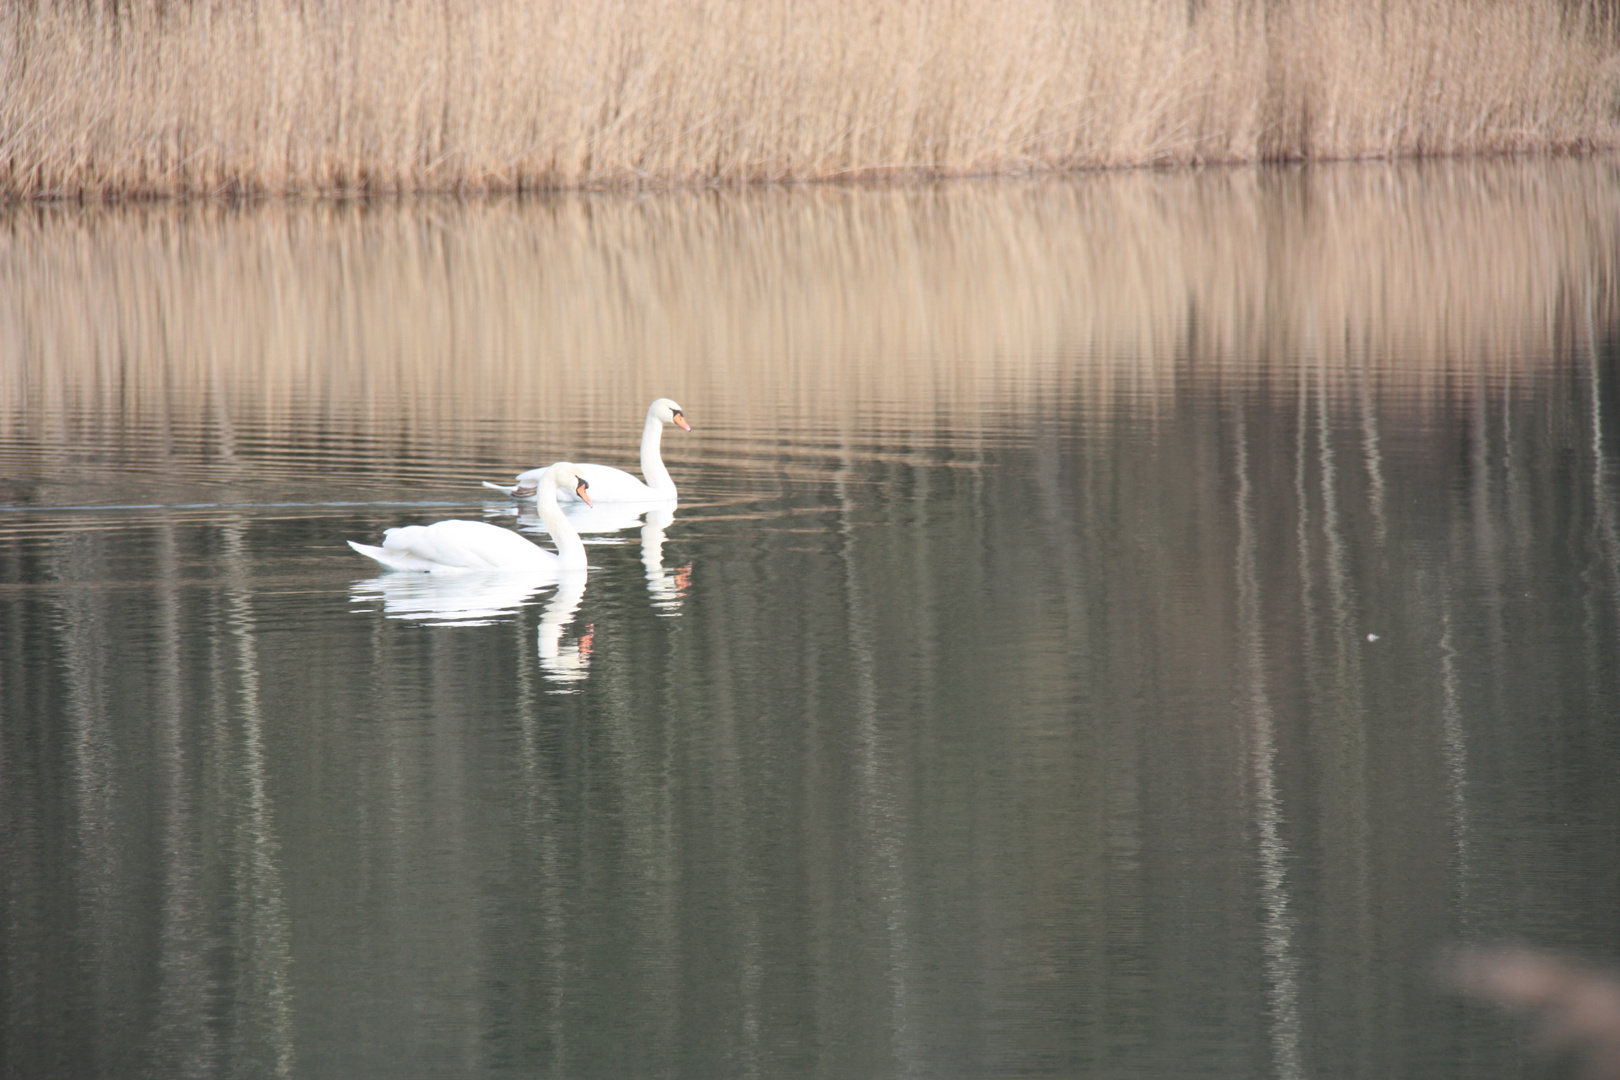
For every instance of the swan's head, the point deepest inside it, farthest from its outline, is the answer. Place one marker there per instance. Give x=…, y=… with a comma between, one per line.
x=669, y=413
x=566, y=474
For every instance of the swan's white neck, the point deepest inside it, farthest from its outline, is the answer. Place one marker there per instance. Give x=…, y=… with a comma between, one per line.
x=652, y=459
x=570, y=548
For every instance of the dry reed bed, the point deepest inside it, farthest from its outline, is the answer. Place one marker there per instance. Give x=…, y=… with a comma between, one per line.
x=901, y=308
x=154, y=97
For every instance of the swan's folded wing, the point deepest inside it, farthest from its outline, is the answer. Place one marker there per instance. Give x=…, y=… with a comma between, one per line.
x=396, y=557
x=461, y=545
x=608, y=484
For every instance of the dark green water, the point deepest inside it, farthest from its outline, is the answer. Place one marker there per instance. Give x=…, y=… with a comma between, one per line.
x=1118, y=691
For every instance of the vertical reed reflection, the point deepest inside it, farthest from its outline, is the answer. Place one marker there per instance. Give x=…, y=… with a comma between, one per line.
x=178, y=950
x=186, y=1035
x=531, y=1016
x=881, y=876
x=1256, y=709
x=1371, y=451
x=1603, y=477
x=1454, y=740
x=102, y=861
x=1346, y=727
x=263, y=1030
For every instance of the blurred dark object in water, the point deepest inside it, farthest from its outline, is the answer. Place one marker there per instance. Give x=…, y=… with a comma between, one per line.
x=1578, y=1005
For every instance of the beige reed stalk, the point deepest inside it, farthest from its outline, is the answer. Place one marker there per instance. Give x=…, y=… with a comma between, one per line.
x=161, y=97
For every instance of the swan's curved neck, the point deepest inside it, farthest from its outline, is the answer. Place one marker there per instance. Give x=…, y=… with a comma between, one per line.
x=570, y=548
x=652, y=458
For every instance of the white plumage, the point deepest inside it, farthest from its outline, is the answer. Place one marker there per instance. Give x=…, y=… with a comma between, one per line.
x=610, y=485
x=457, y=546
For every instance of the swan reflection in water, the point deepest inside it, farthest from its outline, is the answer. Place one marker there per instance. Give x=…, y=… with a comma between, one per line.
x=567, y=664
x=666, y=587
x=594, y=520
x=471, y=599
x=479, y=599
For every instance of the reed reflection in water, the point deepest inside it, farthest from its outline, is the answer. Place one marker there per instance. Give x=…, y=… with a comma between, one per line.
x=1122, y=627
x=286, y=343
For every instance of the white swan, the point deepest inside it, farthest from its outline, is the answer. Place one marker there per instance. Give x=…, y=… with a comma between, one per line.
x=615, y=485
x=462, y=546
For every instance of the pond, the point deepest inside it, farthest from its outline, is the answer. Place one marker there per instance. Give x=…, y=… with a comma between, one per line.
x=1123, y=626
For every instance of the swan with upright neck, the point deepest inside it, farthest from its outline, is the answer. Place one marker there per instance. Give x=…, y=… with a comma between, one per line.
x=610, y=485
x=458, y=546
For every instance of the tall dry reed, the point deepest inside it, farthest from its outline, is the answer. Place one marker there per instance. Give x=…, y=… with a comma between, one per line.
x=161, y=97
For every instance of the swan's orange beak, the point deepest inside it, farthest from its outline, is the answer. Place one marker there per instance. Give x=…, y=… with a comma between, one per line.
x=680, y=422
x=580, y=491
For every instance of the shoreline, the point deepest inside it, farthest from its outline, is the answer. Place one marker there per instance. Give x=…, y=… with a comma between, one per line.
x=913, y=180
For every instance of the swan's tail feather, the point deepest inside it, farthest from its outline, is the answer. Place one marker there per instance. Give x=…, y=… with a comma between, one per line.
x=371, y=552
x=518, y=491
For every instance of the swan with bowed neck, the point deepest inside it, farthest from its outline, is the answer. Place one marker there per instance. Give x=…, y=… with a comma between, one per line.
x=610, y=485
x=455, y=547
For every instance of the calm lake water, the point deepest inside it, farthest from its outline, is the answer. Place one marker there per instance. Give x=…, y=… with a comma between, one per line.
x=1123, y=627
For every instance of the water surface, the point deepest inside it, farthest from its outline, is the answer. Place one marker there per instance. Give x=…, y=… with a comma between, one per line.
x=1122, y=627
